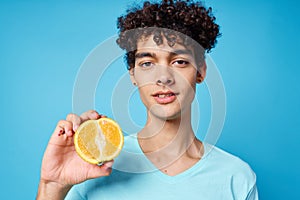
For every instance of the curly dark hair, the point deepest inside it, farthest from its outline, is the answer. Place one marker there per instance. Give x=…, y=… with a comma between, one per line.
x=189, y=18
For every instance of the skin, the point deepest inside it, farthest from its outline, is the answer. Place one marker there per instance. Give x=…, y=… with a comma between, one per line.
x=61, y=166
x=167, y=138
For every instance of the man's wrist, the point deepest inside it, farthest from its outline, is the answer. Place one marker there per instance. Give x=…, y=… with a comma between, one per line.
x=52, y=190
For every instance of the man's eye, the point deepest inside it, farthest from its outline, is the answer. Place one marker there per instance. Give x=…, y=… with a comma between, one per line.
x=180, y=63
x=146, y=64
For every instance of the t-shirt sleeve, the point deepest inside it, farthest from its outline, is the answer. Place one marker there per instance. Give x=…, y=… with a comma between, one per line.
x=74, y=194
x=253, y=194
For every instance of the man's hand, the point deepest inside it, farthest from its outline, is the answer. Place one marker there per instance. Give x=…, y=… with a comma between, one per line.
x=62, y=167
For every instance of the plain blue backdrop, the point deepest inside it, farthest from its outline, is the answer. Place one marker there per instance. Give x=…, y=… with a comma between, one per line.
x=42, y=45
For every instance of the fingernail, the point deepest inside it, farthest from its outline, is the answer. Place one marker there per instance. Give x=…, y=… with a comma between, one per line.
x=95, y=114
x=75, y=127
x=108, y=164
x=69, y=133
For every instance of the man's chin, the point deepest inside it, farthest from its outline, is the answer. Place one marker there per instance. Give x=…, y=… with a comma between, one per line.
x=167, y=116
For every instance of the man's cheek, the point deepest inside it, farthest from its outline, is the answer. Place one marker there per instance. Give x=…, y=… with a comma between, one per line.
x=145, y=79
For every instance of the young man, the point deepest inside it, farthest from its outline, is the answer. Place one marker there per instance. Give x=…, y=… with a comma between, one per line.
x=165, y=160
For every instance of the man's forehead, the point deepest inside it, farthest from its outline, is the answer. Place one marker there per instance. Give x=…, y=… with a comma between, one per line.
x=148, y=44
x=150, y=41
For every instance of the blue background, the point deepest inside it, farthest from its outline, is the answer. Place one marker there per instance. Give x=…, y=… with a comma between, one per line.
x=42, y=45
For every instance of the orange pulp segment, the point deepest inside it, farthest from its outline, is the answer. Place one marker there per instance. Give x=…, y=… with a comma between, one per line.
x=99, y=140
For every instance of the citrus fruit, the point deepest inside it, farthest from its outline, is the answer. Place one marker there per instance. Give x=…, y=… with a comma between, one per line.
x=99, y=140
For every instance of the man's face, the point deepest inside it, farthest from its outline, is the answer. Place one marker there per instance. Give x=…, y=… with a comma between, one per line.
x=166, y=77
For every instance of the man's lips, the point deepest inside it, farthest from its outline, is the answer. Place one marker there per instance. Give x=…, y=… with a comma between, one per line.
x=164, y=97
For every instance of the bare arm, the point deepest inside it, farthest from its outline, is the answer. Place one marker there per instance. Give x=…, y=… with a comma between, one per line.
x=51, y=191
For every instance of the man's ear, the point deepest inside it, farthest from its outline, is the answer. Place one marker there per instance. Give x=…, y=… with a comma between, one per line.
x=131, y=73
x=201, y=73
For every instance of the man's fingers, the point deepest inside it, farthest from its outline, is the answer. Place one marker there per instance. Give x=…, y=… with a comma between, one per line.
x=103, y=170
x=75, y=119
x=107, y=164
x=91, y=114
x=64, y=127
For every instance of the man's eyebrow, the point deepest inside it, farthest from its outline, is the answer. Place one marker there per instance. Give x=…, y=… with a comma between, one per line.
x=182, y=51
x=173, y=53
x=144, y=54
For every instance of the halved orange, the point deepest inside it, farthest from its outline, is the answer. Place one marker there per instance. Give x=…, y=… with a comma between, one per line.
x=99, y=140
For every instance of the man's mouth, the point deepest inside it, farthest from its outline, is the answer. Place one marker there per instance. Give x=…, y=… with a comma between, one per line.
x=164, y=97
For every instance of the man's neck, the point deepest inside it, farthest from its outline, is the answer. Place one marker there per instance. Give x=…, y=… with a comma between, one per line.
x=159, y=133
x=166, y=141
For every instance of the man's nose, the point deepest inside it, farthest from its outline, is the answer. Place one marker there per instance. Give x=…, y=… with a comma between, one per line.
x=164, y=76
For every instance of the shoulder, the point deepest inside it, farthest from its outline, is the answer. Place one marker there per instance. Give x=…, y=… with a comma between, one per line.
x=239, y=172
x=231, y=163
